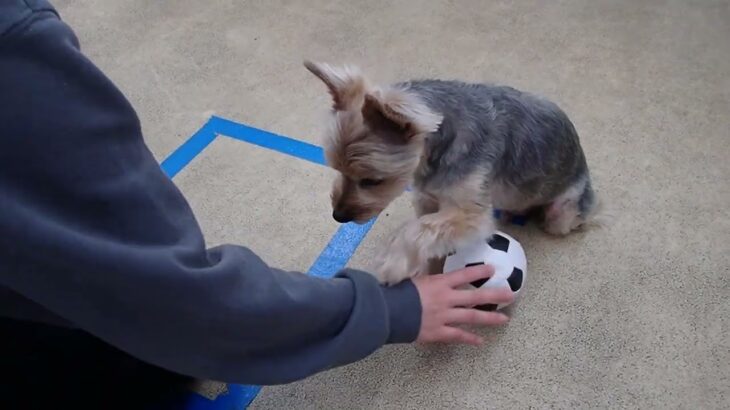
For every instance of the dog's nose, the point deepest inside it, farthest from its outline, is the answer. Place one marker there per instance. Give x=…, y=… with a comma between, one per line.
x=341, y=216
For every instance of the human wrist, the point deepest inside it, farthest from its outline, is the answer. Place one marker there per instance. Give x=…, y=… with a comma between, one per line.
x=404, y=312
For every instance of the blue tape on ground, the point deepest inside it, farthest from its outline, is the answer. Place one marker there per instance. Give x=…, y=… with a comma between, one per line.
x=340, y=249
x=265, y=139
x=236, y=398
x=520, y=220
x=182, y=156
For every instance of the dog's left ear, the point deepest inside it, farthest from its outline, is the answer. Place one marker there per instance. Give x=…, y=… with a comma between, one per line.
x=346, y=84
x=400, y=111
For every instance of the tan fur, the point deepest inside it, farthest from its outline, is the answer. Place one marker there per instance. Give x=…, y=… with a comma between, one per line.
x=562, y=216
x=405, y=110
x=461, y=216
x=346, y=84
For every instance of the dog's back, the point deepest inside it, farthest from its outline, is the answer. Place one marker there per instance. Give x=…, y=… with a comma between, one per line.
x=526, y=145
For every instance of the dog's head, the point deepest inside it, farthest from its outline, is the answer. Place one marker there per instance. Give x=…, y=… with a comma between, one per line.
x=375, y=141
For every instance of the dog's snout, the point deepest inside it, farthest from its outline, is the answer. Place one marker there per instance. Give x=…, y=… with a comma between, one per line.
x=341, y=216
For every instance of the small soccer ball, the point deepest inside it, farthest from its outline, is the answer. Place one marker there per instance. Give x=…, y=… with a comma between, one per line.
x=501, y=251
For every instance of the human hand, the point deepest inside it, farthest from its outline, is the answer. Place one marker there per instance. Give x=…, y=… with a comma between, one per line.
x=445, y=306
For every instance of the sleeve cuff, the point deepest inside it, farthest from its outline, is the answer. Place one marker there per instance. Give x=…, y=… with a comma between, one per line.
x=400, y=312
x=404, y=311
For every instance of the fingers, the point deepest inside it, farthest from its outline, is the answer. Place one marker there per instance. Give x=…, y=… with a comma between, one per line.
x=468, y=275
x=464, y=316
x=482, y=297
x=455, y=335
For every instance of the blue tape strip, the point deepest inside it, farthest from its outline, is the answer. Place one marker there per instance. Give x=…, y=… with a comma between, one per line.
x=236, y=398
x=265, y=139
x=520, y=220
x=340, y=249
x=182, y=156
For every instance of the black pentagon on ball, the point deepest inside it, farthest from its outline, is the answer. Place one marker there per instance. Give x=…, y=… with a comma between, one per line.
x=499, y=242
x=480, y=282
x=515, y=279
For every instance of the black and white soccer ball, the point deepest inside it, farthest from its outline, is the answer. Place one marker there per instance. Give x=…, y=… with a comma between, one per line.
x=501, y=251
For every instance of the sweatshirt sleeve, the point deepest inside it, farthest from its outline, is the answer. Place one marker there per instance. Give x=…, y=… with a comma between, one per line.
x=93, y=231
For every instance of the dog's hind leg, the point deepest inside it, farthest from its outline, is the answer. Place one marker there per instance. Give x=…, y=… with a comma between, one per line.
x=572, y=209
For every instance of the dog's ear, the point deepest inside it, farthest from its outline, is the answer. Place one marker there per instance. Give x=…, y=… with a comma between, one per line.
x=400, y=112
x=346, y=84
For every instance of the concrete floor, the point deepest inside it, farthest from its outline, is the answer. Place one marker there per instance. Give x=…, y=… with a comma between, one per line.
x=632, y=316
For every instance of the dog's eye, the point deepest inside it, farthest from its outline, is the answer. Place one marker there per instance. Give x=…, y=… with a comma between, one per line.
x=367, y=182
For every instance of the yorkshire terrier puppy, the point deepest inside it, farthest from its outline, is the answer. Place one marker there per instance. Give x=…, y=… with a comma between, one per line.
x=465, y=149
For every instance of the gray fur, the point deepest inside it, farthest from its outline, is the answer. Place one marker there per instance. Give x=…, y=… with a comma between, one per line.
x=520, y=141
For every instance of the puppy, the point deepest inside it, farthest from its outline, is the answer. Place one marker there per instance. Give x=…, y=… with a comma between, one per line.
x=465, y=149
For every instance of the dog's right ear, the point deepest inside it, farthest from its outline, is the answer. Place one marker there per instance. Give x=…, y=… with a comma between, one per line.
x=400, y=113
x=346, y=84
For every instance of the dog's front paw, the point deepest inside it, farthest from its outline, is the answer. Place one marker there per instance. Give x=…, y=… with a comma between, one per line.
x=398, y=262
x=394, y=269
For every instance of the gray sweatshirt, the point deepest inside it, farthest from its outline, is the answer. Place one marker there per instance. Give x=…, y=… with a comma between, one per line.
x=93, y=235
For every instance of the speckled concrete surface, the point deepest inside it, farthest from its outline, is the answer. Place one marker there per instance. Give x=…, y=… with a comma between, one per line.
x=245, y=194
x=631, y=316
